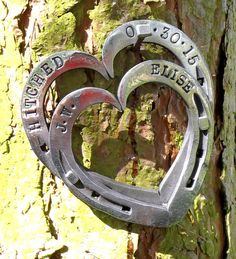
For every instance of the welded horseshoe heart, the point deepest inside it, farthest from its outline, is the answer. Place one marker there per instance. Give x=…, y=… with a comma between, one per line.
x=159, y=208
x=183, y=180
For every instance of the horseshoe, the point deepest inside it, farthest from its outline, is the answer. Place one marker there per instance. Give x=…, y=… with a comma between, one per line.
x=185, y=185
x=32, y=103
x=166, y=35
x=163, y=211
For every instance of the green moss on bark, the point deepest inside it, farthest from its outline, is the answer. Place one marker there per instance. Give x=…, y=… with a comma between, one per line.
x=116, y=13
x=60, y=31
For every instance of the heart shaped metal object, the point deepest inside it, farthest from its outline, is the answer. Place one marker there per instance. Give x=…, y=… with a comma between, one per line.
x=155, y=208
x=99, y=191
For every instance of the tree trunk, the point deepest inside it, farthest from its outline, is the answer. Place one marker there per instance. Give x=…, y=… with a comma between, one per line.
x=39, y=217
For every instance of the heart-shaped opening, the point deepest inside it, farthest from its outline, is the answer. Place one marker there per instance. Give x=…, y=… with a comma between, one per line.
x=137, y=146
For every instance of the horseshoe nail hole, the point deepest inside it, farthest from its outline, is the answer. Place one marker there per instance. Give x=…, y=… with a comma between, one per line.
x=126, y=209
x=199, y=105
x=44, y=147
x=199, y=153
x=190, y=183
x=116, y=206
x=153, y=106
x=64, y=122
x=154, y=29
x=73, y=106
x=95, y=195
x=194, y=172
x=108, y=186
x=79, y=185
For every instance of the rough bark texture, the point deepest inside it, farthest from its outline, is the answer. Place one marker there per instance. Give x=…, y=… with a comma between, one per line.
x=39, y=217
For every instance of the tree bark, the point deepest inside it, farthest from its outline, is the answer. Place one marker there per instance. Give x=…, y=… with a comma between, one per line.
x=39, y=217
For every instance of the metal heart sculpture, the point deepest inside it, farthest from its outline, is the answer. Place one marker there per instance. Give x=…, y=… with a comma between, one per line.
x=53, y=146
